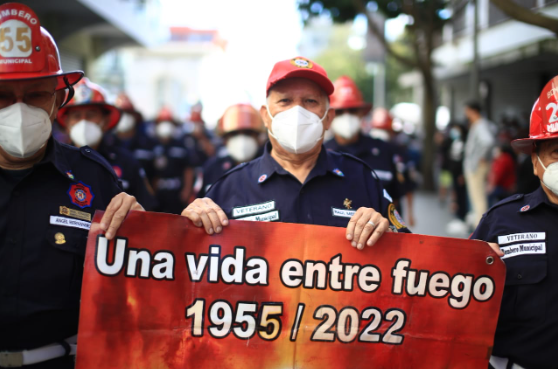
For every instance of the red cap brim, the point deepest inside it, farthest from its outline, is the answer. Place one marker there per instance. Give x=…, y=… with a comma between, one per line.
x=321, y=80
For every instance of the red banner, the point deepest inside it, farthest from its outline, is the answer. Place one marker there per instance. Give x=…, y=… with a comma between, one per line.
x=164, y=294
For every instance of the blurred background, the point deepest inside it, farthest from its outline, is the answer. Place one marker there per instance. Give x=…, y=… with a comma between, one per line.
x=420, y=59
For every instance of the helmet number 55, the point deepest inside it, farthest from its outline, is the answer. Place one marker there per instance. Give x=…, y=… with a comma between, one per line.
x=21, y=46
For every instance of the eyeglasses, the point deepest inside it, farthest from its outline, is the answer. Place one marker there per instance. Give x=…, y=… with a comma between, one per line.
x=34, y=98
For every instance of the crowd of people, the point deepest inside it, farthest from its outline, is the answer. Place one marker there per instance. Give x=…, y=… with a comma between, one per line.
x=104, y=156
x=478, y=166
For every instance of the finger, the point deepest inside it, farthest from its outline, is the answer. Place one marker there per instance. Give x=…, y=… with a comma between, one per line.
x=351, y=226
x=368, y=229
x=496, y=249
x=120, y=215
x=214, y=218
x=360, y=227
x=192, y=215
x=224, y=220
x=382, y=227
x=114, y=204
x=207, y=223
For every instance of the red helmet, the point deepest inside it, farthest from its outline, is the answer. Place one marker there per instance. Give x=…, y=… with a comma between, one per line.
x=240, y=117
x=348, y=96
x=382, y=119
x=165, y=114
x=544, y=118
x=89, y=94
x=124, y=103
x=27, y=50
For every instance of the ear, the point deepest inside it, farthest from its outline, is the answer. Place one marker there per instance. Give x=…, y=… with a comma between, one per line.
x=265, y=117
x=60, y=97
x=328, y=119
x=535, y=163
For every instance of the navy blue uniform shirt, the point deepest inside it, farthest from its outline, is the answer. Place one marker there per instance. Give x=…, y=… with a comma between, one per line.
x=142, y=148
x=336, y=187
x=130, y=173
x=525, y=228
x=45, y=213
x=171, y=162
x=379, y=156
x=214, y=168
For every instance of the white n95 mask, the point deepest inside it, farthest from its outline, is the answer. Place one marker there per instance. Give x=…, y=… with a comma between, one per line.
x=346, y=125
x=550, y=176
x=86, y=133
x=164, y=130
x=126, y=123
x=242, y=147
x=297, y=130
x=24, y=129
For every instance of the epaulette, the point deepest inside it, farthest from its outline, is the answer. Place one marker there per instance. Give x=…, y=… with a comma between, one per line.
x=507, y=200
x=360, y=161
x=96, y=157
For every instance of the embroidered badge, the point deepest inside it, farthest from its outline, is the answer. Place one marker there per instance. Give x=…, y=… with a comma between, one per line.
x=70, y=175
x=301, y=63
x=347, y=203
x=338, y=172
x=395, y=218
x=262, y=178
x=525, y=208
x=117, y=170
x=343, y=213
x=69, y=222
x=253, y=209
x=272, y=216
x=81, y=195
x=227, y=165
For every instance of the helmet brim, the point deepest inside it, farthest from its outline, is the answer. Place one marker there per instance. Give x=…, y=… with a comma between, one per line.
x=365, y=107
x=71, y=77
x=526, y=145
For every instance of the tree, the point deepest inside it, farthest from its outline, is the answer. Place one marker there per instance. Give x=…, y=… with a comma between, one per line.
x=427, y=22
x=525, y=15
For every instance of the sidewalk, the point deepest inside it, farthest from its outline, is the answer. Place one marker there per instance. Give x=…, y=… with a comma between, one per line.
x=432, y=217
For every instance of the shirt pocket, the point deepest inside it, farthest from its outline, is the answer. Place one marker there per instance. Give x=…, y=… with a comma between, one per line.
x=67, y=256
x=524, y=300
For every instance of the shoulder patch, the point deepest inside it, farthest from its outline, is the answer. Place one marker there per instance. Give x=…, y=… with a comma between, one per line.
x=96, y=157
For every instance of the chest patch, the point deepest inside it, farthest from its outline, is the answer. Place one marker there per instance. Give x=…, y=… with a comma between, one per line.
x=243, y=211
x=69, y=222
x=523, y=249
x=521, y=237
x=272, y=216
x=343, y=213
x=81, y=195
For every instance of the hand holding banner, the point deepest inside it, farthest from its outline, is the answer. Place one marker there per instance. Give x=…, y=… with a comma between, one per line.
x=164, y=294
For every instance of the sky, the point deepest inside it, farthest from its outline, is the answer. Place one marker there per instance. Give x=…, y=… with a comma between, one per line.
x=258, y=32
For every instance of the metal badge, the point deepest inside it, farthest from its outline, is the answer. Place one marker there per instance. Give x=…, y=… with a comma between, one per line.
x=59, y=238
x=347, y=203
x=75, y=213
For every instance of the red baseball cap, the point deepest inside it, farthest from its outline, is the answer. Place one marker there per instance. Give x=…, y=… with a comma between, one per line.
x=302, y=68
x=544, y=119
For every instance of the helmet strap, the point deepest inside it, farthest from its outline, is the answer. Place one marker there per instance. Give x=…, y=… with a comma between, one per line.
x=70, y=92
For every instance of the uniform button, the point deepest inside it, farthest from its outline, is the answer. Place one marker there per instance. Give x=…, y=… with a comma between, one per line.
x=519, y=276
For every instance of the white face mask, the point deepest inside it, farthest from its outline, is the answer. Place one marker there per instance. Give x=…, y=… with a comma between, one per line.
x=164, y=130
x=297, y=130
x=550, y=176
x=380, y=134
x=126, y=123
x=24, y=129
x=242, y=147
x=86, y=133
x=346, y=125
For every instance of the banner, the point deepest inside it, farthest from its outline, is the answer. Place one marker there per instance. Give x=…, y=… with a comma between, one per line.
x=164, y=294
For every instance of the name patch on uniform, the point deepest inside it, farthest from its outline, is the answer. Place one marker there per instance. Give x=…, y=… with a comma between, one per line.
x=521, y=237
x=75, y=213
x=267, y=217
x=343, y=213
x=69, y=222
x=253, y=209
x=384, y=175
x=523, y=249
